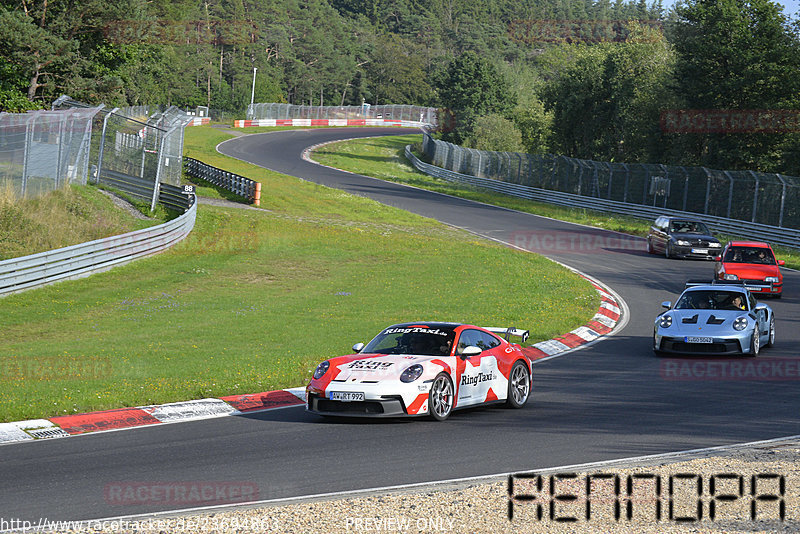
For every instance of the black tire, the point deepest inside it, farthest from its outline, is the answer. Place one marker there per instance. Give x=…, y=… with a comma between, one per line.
x=755, y=344
x=519, y=385
x=668, y=250
x=441, y=397
x=771, y=339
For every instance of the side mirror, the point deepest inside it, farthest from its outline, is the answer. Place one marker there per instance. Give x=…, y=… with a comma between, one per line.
x=666, y=304
x=358, y=347
x=472, y=350
x=760, y=306
x=781, y=263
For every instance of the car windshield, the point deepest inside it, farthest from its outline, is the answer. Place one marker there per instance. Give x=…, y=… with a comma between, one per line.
x=419, y=340
x=712, y=300
x=688, y=227
x=757, y=255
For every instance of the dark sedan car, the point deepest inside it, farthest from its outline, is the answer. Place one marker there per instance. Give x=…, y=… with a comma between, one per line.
x=681, y=237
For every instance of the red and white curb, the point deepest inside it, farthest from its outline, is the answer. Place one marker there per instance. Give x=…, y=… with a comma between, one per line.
x=603, y=323
x=71, y=425
x=327, y=122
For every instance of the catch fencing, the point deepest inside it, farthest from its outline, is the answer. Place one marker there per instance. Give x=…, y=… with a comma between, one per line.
x=143, y=143
x=761, y=198
x=43, y=150
x=412, y=115
x=788, y=237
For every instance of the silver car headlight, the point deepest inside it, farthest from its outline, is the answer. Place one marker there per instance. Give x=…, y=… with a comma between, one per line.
x=665, y=322
x=684, y=243
x=730, y=277
x=740, y=323
x=321, y=369
x=411, y=374
x=773, y=279
x=714, y=245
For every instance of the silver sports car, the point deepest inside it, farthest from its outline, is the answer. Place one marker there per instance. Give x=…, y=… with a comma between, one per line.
x=714, y=319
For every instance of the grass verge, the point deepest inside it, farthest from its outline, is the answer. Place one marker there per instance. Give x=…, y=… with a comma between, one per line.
x=253, y=300
x=384, y=158
x=67, y=216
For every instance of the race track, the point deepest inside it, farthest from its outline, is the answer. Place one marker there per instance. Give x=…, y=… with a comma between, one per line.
x=613, y=399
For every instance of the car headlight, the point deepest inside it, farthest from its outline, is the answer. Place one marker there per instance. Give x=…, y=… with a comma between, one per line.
x=683, y=242
x=321, y=369
x=740, y=323
x=771, y=279
x=411, y=374
x=714, y=245
x=665, y=322
x=730, y=277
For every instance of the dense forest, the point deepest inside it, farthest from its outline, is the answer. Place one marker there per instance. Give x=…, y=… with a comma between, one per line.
x=584, y=78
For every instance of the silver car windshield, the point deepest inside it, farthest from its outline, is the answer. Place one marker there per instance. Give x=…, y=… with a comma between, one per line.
x=712, y=300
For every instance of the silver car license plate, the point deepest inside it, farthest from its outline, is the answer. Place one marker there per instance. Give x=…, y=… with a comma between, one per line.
x=346, y=396
x=691, y=339
x=699, y=251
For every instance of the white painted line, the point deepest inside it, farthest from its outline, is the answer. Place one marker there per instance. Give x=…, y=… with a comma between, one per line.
x=586, y=333
x=551, y=346
x=195, y=409
x=610, y=307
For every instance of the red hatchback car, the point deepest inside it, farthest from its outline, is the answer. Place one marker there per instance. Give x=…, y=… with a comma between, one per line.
x=754, y=264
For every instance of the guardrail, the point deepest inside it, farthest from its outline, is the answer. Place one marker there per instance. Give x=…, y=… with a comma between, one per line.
x=787, y=237
x=244, y=187
x=170, y=196
x=78, y=261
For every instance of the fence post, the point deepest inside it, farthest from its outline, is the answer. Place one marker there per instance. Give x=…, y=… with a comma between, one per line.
x=783, y=199
x=627, y=179
x=708, y=189
x=102, y=146
x=730, y=193
x=755, y=197
x=685, y=187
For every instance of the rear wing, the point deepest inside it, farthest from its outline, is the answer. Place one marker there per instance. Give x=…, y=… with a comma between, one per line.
x=508, y=332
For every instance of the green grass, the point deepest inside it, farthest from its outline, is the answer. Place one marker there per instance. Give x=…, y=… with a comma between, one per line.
x=384, y=158
x=60, y=218
x=253, y=300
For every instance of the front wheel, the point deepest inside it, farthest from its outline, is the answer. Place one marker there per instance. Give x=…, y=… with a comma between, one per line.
x=668, y=250
x=755, y=343
x=771, y=338
x=519, y=386
x=440, y=398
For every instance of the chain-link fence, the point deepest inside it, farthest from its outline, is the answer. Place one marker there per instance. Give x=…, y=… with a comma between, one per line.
x=764, y=198
x=397, y=112
x=42, y=150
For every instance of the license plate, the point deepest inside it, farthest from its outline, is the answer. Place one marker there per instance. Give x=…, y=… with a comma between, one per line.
x=754, y=288
x=699, y=339
x=699, y=251
x=346, y=396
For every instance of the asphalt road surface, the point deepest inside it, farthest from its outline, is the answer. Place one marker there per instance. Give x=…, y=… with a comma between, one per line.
x=613, y=399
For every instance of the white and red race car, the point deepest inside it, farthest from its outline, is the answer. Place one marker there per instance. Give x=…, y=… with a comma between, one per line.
x=427, y=368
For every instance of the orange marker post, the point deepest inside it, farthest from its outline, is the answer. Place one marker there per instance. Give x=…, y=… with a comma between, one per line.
x=258, y=194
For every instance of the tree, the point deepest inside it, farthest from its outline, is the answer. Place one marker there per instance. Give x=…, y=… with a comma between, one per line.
x=493, y=132
x=472, y=87
x=736, y=54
